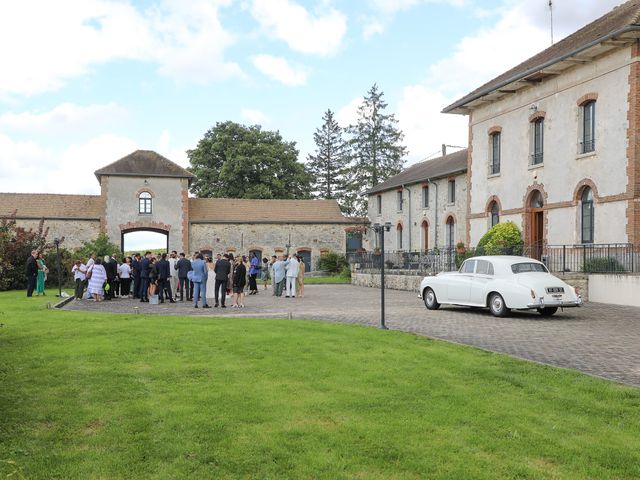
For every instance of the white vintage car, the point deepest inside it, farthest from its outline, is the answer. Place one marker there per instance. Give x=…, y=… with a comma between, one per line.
x=502, y=283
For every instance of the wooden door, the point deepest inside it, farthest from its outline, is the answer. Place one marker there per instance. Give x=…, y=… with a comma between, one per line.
x=537, y=233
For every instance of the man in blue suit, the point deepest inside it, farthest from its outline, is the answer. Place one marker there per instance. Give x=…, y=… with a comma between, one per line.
x=145, y=266
x=199, y=278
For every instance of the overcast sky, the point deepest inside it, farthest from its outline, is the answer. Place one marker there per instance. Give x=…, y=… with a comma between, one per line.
x=85, y=82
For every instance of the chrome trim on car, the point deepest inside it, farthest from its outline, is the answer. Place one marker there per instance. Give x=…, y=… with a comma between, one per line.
x=551, y=303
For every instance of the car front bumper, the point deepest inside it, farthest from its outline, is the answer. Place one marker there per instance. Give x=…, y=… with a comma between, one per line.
x=542, y=303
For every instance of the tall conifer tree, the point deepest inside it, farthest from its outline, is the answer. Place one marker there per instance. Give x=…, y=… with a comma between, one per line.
x=330, y=163
x=377, y=149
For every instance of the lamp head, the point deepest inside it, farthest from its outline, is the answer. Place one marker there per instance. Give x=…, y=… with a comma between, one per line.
x=387, y=226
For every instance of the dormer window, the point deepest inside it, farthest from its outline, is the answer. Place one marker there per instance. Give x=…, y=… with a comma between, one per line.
x=144, y=203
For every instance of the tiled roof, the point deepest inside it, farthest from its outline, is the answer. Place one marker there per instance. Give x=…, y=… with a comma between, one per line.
x=620, y=21
x=144, y=163
x=232, y=210
x=430, y=169
x=39, y=205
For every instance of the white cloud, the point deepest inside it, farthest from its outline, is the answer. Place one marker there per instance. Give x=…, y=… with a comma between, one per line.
x=278, y=68
x=320, y=34
x=62, y=118
x=69, y=38
x=348, y=115
x=255, y=117
x=166, y=148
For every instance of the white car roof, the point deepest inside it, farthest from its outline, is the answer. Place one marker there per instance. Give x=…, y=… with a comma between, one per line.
x=505, y=259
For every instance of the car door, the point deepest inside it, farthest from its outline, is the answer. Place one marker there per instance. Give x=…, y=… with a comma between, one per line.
x=483, y=275
x=459, y=287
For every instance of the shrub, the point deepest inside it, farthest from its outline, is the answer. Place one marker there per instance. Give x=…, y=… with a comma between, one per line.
x=101, y=246
x=345, y=272
x=332, y=262
x=504, y=238
x=603, y=265
x=66, y=264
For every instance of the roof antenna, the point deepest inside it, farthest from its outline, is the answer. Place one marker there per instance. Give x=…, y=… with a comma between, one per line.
x=551, y=14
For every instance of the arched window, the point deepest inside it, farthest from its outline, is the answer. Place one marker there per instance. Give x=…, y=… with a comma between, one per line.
x=425, y=235
x=586, y=215
x=495, y=214
x=144, y=203
x=536, y=200
x=399, y=236
x=451, y=232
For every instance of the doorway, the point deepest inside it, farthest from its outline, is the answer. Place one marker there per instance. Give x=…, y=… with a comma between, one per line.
x=144, y=239
x=306, y=258
x=536, y=224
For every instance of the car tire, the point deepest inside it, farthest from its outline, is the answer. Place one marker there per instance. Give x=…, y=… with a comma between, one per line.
x=547, y=311
x=430, y=300
x=497, y=306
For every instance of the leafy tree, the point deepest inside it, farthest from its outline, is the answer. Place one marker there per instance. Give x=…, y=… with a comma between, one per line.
x=237, y=161
x=101, y=246
x=329, y=165
x=16, y=244
x=377, y=148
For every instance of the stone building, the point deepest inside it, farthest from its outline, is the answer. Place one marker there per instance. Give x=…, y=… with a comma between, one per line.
x=554, y=143
x=146, y=192
x=426, y=205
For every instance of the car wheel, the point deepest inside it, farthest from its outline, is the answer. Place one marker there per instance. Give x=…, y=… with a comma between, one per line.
x=497, y=305
x=430, y=300
x=547, y=311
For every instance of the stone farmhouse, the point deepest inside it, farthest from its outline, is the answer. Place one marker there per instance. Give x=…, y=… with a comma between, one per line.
x=554, y=143
x=426, y=205
x=144, y=191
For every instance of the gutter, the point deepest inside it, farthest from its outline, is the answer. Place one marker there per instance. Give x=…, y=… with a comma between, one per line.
x=526, y=73
x=409, y=190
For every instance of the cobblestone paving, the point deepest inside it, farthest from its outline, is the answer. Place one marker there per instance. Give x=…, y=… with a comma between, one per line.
x=598, y=339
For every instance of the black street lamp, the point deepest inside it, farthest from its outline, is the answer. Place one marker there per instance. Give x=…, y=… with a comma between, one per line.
x=56, y=242
x=380, y=229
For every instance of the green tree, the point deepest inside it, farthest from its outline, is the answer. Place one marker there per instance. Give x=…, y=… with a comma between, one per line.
x=236, y=161
x=101, y=246
x=329, y=165
x=377, y=148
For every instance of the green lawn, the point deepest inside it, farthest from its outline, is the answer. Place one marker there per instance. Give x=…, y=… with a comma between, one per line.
x=333, y=279
x=88, y=396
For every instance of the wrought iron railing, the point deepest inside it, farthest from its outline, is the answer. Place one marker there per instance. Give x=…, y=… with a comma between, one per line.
x=588, y=258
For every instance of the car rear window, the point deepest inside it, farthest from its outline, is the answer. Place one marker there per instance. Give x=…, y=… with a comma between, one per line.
x=525, y=267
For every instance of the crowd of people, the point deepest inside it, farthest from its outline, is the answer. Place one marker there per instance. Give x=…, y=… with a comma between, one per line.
x=174, y=277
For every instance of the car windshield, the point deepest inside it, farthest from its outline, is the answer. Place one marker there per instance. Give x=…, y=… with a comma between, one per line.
x=525, y=267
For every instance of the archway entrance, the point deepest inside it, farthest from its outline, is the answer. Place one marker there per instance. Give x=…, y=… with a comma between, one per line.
x=144, y=239
x=536, y=224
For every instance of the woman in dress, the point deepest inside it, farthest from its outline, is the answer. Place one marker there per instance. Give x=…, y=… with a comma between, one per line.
x=97, y=277
x=265, y=275
x=153, y=276
x=211, y=277
x=239, y=282
x=300, y=279
x=124, y=272
x=42, y=275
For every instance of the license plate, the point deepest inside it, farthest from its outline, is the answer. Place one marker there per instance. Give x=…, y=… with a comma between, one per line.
x=555, y=289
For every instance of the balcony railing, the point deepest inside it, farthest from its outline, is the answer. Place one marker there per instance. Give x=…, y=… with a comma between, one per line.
x=589, y=258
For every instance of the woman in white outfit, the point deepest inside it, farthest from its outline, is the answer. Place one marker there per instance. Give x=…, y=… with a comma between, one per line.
x=292, y=267
x=96, y=282
x=211, y=278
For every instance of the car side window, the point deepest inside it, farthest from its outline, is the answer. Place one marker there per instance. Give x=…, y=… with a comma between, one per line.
x=483, y=267
x=468, y=266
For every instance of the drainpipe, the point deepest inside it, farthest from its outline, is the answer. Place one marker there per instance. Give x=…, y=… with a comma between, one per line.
x=435, y=217
x=409, y=190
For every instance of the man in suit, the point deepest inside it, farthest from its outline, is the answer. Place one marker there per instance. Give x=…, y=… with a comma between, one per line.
x=183, y=265
x=32, y=272
x=111, y=267
x=145, y=266
x=164, y=275
x=199, y=279
x=222, y=270
x=135, y=274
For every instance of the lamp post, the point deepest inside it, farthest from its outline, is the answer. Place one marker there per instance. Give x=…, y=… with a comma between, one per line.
x=56, y=242
x=380, y=229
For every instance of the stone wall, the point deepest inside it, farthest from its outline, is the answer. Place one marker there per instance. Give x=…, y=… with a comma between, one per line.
x=410, y=280
x=75, y=231
x=269, y=238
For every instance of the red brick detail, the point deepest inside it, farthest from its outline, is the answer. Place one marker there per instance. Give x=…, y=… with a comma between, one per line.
x=487, y=207
x=303, y=249
x=633, y=150
x=577, y=193
x=492, y=130
x=449, y=215
x=323, y=251
x=469, y=174
x=104, y=184
x=231, y=249
x=256, y=247
x=536, y=116
x=147, y=190
x=587, y=98
x=145, y=224
x=399, y=225
x=185, y=215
